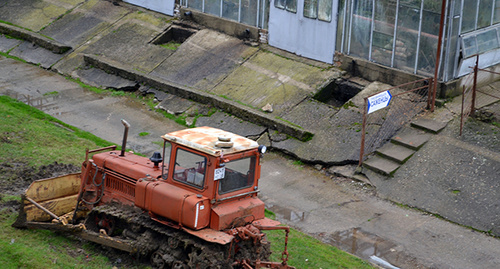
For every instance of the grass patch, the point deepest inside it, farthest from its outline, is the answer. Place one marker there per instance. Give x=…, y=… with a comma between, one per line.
x=143, y=133
x=172, y=45
x=30, y=136
x=308, y=252
x=12, y=57
x=22, y=248
x=53, y=93
x=289, y=122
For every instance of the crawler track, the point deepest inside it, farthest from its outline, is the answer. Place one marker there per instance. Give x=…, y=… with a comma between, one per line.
x=169, y=247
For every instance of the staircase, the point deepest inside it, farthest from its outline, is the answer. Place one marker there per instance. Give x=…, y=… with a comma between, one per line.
x=403, y=145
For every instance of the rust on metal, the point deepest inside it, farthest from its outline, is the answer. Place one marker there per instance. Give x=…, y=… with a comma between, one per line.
x=206, y=138
x=211, y=235
x=56, y=195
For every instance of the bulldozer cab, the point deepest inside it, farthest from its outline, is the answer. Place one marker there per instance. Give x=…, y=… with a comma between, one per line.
x=216, y=164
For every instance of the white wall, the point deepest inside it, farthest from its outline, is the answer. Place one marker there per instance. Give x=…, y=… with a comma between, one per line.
x=306, y=37
x=162, y=6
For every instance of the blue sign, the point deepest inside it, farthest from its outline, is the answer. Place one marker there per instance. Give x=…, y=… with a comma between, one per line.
x=378, y=101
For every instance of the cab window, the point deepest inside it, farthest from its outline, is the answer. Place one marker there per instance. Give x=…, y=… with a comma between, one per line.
x=239, y=174
x=190, y=168
x=166, y=158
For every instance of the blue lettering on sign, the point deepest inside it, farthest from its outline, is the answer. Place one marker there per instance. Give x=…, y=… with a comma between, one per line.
x=378, y=101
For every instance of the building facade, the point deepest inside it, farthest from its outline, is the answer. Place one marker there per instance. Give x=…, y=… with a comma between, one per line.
x=400, y=34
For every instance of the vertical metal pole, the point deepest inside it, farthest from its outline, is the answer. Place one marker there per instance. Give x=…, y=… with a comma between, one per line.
x=477, y=14
x=363, y=131
x=438, y=54
x=264, y=12
x=419, y=35
x=443, y=41
x=395, y=34
x=474, y=86
x=203, y=6
x=258, y=14
x=344, y=26
x=372, y=28
x=462, y=113
x=459, y=39
x=492, y=11
x=448, y=43
x=221, y=4
x=429, y=93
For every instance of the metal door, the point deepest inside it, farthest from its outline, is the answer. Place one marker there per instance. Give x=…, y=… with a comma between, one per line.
x=162, y=6
x=305, y=27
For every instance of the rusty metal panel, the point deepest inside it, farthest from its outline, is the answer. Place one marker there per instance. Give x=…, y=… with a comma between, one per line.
x=236, y=213
x=58, y=206
x=266, y=222
x=205, y=139
x=211, y=235
x=51, y=188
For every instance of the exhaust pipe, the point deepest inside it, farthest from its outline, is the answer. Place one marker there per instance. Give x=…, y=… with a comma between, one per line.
x=125, y=135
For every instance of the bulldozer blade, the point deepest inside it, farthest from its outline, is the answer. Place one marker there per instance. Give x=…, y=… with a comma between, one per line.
x=57, y=195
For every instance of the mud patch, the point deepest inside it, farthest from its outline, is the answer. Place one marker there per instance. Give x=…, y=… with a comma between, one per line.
x=16, y=177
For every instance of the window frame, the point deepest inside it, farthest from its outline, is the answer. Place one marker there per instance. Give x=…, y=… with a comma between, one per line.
x=186, y=182
x=252, y=166
x=286, y=5
x=316, y=10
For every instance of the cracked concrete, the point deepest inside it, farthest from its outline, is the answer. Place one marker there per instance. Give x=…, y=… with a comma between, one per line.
x=455, y=177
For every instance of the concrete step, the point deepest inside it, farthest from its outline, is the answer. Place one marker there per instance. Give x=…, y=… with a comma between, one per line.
x=395, y=152
x=411, y=139
x=428, y=125
x=381, y=165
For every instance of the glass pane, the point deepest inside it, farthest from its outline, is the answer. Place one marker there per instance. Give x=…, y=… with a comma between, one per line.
x=280, y=4
x=360, y=35
x=212, y=7
x=249, y=12
x=291, y=5
x=166, y=158
x=385, y=16
x=487, y=41
x=230, y=9
x=496, y=13
x=340, y=25
x=429, y=40
x=264, y=14
x=407, y=36
x=195, y=4
x=484, y=14
x=469, y=15
x=470, y=46
x=325, y=10
x=452, y=53
x=311, y=9
x=190, y=168
x=239, y=174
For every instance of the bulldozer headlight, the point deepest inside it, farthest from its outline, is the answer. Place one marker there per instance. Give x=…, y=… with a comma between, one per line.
x=262, y=149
